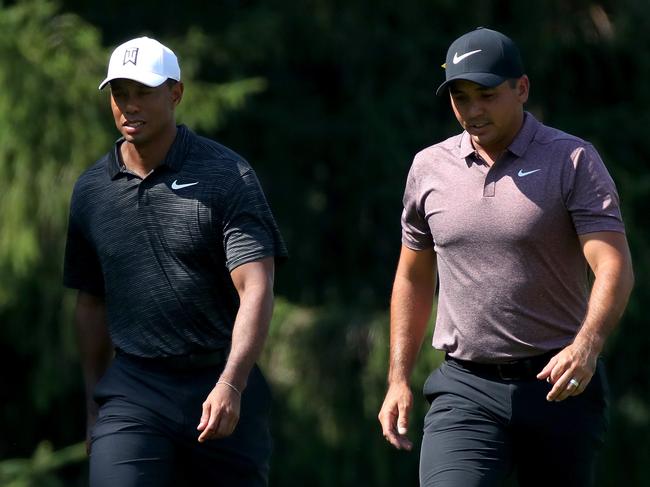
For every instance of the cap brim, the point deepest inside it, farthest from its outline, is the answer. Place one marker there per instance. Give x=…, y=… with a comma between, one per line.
x=484, y=79
x=149, y=79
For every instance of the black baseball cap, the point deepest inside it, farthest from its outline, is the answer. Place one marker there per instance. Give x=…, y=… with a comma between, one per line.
x=484, y=56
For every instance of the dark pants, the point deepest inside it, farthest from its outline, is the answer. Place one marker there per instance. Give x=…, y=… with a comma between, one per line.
x=146, y=431
x=481, y=429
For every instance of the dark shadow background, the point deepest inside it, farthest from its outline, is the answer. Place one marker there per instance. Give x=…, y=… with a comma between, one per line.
x=349, y=99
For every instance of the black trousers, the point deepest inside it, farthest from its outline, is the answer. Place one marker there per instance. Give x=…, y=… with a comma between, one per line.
x=481, y=430
x=146, y=435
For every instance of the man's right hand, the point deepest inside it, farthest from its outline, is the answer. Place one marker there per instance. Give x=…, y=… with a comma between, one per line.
x=394, y=416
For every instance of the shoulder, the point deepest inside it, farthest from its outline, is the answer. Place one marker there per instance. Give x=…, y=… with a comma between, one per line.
x=93, y=178
x=568, y=151
x=96, y=171
x=87, y=189
x=430, y=158
x=207, y=150
x=431, y=164
x=555, y=138
x=559, y=149
x=215, y=159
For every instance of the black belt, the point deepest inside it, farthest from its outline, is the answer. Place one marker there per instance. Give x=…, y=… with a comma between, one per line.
x=522, y=369
x=208, y=358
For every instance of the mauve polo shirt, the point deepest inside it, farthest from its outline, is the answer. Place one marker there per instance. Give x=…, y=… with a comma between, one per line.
x=513, y=279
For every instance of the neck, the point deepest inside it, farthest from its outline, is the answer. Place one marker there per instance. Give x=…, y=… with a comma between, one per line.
x=490, y=156
x=142, y=158
x=493, y=152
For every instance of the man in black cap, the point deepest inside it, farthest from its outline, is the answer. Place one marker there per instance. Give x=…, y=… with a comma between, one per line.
x=510, y=215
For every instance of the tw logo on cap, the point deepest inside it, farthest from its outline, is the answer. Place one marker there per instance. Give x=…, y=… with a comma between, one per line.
x=130, y=56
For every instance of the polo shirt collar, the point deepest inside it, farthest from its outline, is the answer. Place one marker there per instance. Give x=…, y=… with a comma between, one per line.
x=518, y=146
x=465, y=146
x=178, y=151
x=525, y=135
x=173, y=160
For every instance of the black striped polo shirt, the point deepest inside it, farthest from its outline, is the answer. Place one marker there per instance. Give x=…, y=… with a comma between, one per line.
x=160, y=249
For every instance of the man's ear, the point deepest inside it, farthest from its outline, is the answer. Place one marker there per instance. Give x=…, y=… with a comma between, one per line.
x=177, y=93
x=523, y=88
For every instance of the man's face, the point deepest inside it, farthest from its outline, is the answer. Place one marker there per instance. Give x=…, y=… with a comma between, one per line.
x=492, y=116
x=141, y=113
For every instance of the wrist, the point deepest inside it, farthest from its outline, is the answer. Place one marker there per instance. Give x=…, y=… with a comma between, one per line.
x=593, y=342
x=230, y=385
x=399, y=374
x=398, y=381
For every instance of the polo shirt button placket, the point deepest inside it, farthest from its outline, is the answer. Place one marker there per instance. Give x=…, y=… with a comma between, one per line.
x=490, y=182
x=488, y=189
x=143, y=196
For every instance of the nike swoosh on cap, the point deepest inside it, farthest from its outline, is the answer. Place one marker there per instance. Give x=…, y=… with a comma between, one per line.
x=175, y=184
x=458, y=58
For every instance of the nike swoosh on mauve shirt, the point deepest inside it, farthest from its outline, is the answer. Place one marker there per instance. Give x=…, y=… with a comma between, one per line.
x=523, y=173
x=175, y=184
x=458, y=58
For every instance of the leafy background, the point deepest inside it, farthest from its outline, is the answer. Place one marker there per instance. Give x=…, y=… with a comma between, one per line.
x=329, y=100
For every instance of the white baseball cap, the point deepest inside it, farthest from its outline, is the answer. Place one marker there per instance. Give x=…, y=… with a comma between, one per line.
x=143, y=60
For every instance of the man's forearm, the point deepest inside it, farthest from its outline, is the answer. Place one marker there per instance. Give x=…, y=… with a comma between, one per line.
x=410, y=309
x=608, y=256
x=609, y=295
x=95, y=349
x=221, y=409
x=249, y=334
x=411, y=305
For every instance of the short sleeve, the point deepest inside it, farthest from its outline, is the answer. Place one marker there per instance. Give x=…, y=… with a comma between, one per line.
x=592, y=199
x=416, y=233
x=81, y=267
x=249, y=230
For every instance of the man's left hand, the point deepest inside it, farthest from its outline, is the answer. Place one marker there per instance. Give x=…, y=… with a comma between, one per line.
x=220, y=413
x=570, y=371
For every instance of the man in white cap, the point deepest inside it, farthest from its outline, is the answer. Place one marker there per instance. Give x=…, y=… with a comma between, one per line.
x=510, y=215
x=171, y=246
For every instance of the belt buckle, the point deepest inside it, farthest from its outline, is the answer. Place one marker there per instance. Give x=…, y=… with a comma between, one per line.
x=507, y=371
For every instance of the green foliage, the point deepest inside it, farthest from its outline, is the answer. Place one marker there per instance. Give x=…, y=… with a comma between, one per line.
x=205, y=104
x=46, y=121
x=328, y=370
x=53, y=124
x=354, y=87
x=40, y=470
x=345, y=98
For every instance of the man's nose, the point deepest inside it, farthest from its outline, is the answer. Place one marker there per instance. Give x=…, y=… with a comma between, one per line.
x=130, y=104
x=475, y=109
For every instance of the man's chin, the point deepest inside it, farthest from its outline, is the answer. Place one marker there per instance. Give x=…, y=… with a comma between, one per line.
x=481, y=140
x=133, y=139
